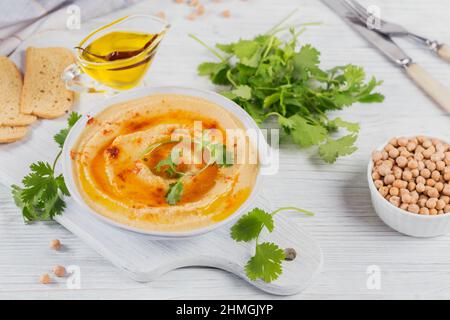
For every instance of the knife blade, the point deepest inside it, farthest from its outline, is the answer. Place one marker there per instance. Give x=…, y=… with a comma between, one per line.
x=383, y=43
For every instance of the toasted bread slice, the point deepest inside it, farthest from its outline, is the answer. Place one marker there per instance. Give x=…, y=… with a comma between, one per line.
x=11, y=88
x=44, y=94
x=11, y=134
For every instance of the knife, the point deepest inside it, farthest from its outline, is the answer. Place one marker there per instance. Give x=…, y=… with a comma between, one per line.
x=436, y=90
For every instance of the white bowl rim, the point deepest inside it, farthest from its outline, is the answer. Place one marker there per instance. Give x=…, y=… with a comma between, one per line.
x=373, y=189
x=99, y=106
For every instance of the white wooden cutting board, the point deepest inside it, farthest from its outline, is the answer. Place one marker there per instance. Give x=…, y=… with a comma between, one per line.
x=140, y=256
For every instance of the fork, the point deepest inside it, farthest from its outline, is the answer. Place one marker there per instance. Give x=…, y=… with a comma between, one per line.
x=395, y=30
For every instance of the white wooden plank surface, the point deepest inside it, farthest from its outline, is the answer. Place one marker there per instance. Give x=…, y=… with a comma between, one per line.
x=349, y=232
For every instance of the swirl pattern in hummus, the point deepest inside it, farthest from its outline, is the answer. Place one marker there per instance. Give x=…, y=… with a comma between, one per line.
x=118, y=182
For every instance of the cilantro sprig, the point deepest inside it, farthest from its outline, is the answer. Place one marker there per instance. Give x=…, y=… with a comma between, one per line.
x=266, y=263
x=42, y=195
x=218, y=155
x=273, y=78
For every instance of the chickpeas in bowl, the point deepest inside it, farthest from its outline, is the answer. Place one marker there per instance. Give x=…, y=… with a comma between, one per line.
x=411, y=176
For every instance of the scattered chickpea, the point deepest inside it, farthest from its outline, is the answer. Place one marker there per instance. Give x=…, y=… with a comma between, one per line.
x=45, y=279
x=59, y=271
x=226, y=14
x=55, y=244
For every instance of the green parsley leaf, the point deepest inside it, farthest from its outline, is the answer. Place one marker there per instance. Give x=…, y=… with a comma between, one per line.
x=61, y=136
x=333, y=149
x=270, y=76
x=174, y=193
x=250, y=225
x=266, y=263
x=41, y=197
x=305, y=133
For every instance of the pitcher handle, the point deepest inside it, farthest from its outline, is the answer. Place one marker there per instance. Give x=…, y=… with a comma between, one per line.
x=76, y=80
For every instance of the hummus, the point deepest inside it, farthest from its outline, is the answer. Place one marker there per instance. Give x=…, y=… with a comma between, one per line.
x=119, y=168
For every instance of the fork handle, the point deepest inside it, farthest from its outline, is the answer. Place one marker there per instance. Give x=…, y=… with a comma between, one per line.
x=444, y=51
x=436, y=90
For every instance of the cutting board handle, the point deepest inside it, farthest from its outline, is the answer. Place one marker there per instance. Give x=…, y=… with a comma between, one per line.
x=430, y=85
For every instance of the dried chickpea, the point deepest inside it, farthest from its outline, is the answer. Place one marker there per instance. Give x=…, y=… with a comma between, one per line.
x=389, y=179
x=376, y=175
x=427, y=143
x=55, y=244
x=383, y=191
x=414, y=208
x=45, y=279
x=402, y=142
x=421, y=180
x=446, y=190
x=433, y=212
x=424, y=211
x=420, y=187
x=406, y=198
x=394, y=191
x=411, y=146
x=384, y=170
x=427, y=153
x=401, y=161
x=433, y=193
x=440, y=204
x=446, y=199
x=426, y=173
x=430, y=165
x=395, y=201
x=400, y=184
x=394, y=153
x=440, y=165
x=407, y=175
x=378, y=184
x=439, y=186
x=413, y=164
x=436, y=175
x=59, y=271
x=422, y=202
x=447, y=208
x=431, y=203
x=431, y=182
x=411, y=186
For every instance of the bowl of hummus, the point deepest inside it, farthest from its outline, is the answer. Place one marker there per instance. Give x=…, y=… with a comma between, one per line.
x=167, y=161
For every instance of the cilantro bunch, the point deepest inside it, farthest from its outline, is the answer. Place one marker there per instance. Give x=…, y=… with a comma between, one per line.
x=42, y=195
x=269, y=77
x=266, y=263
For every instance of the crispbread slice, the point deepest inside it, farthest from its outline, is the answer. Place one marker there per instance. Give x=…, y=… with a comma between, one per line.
x=11, y=134
x=44, y=93
x=11, y=89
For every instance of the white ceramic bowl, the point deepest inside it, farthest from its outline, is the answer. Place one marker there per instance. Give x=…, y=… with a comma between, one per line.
x=218, y=99
x=408, y=223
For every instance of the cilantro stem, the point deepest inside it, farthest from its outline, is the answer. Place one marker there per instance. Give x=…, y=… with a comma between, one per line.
x=214, y=52
x=308, y=213
x=273, y=30
x=56, y=160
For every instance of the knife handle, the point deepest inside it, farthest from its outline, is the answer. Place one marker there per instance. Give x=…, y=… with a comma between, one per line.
x=431, y=86
x=444, y=51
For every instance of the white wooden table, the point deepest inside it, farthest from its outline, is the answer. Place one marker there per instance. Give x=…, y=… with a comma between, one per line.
x=351, y=235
